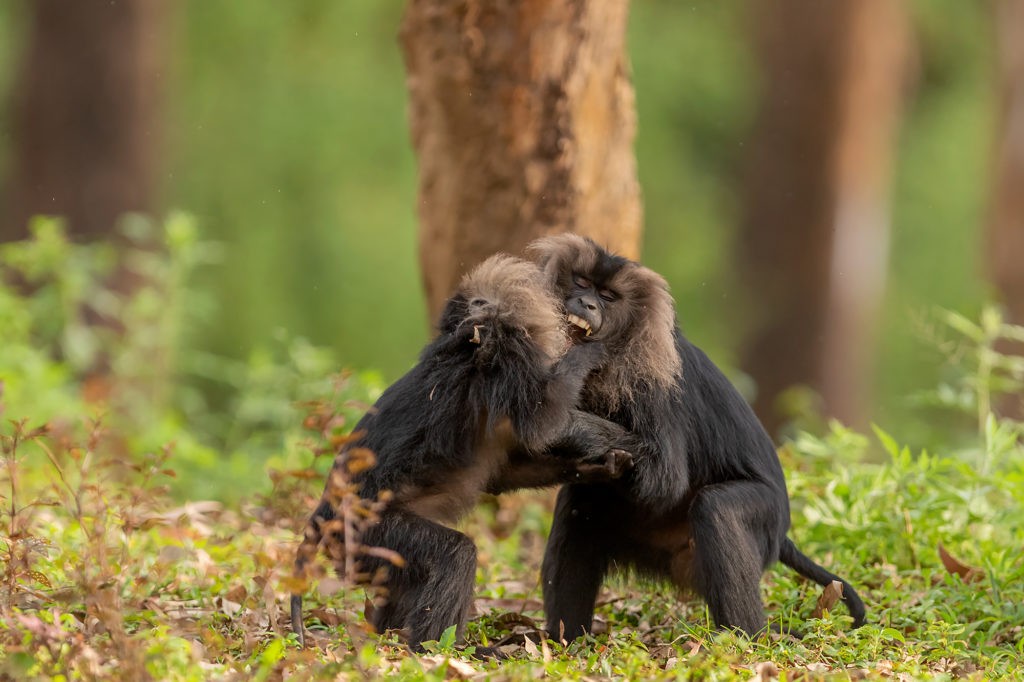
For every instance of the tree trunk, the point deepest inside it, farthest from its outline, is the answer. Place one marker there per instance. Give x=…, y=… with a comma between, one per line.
x=85, y=121
x=814, y=237
x=1006, y=225
x=522, y=116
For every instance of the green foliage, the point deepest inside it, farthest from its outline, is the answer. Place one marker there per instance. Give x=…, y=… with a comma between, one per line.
x=103, y=573
x=93, y=330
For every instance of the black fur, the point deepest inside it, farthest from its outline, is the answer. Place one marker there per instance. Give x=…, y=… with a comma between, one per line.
x=706, y=505
x=476, y=413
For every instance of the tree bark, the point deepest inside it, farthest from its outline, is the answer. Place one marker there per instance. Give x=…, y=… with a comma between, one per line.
x=1005, y=238
x=814, y=235
x=522, y=116
x=86, y=114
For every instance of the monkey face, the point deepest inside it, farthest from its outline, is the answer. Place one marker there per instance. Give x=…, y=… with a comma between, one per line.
x=601, y=292
x=618, y=302
x=502, y=297
x=585, y=305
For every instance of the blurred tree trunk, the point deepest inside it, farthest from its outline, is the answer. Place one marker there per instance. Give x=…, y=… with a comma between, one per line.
x=85, y=120
x=522, y=116
x=1006, y=224
x=814, y=235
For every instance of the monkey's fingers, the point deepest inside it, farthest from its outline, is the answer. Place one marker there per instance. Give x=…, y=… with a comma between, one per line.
x=620, y=461
x=611, y=465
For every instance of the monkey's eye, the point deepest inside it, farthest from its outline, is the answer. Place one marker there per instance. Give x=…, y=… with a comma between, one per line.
x=478, y=302
x=608, y=295
x=581, y=281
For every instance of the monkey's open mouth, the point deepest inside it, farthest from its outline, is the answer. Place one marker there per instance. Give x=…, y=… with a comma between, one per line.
x=579, y=323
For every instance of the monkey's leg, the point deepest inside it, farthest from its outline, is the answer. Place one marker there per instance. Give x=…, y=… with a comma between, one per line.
x=434, y=589
x=575, y=562
x=735, y=530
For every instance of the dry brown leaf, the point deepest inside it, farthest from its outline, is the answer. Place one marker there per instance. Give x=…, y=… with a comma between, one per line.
x=228, y=607
x=455, y=670
x=830, y=596
x=197, y=515
x=238, y=593
x=329, y=618
x=510, y=620
x=765, y=672
x=531, y=648
x=270, y=604
x=968, y=574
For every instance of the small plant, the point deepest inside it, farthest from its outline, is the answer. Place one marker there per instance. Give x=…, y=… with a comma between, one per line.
x=341, y=537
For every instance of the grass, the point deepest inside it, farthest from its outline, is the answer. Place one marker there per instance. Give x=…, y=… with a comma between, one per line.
x=113, y=566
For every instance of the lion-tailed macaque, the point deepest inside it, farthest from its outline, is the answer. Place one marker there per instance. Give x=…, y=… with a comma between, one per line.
x=489, y=407
x=705, y=505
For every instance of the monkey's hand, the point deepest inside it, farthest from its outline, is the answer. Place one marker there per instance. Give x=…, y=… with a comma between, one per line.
x=610, y=466
x=583, y=358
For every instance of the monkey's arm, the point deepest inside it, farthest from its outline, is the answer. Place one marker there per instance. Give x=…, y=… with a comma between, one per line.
x=543, y=471
x=588, y=437
x=554, y=419
x=590, y=450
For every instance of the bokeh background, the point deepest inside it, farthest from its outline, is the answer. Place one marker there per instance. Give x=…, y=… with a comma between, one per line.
x=283, y=129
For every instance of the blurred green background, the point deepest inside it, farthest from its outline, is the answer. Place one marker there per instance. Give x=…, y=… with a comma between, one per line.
x=287, y=139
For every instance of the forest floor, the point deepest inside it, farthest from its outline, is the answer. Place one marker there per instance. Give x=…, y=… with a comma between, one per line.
x=105, y=577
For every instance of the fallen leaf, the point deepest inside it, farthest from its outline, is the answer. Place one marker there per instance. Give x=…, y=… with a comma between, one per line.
x=830, y=596
x=329, y=618
x=512, y=619
x=968, y=574
x=270, y=604
x=238, y=593
x=454, y=668
x=765, y=672
x=227, y=606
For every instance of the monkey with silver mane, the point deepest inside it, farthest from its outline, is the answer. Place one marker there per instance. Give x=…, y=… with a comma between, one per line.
x=705, y=506
x=489, y=407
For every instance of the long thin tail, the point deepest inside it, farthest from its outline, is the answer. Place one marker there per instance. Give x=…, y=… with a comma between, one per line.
x=297, y=628
x=299, y=572
x=307, y=551
x=799, y=562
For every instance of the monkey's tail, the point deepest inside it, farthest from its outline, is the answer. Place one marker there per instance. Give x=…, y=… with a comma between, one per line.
x=297, y=619
x=799, y=562
x=306, y=551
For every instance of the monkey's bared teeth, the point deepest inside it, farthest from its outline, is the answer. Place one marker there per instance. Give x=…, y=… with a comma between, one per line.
x=579, y=322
